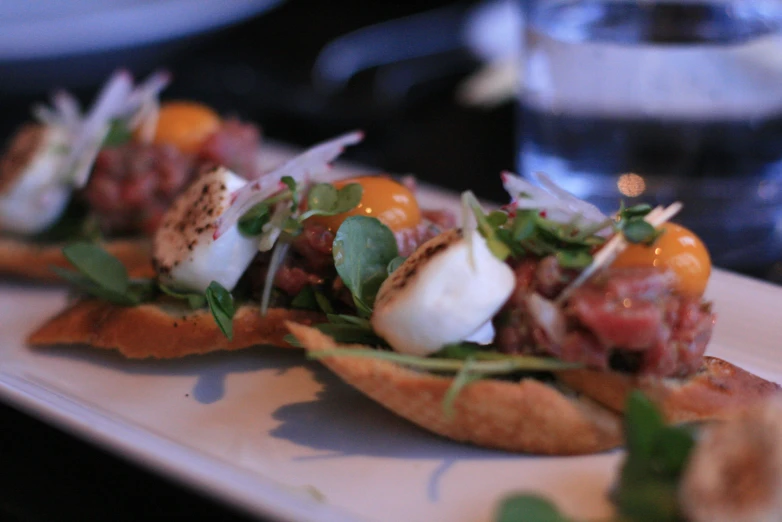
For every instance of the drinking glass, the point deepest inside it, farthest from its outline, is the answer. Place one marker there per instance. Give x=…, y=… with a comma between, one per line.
x=657, y=101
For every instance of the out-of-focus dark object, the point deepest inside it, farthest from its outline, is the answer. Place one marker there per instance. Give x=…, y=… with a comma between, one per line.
x=80, y=42
x=660, y=101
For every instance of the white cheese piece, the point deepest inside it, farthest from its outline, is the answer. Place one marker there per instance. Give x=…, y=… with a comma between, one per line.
x=185, y=252
x=438, y=296
x=483, y=335
x=36, y=198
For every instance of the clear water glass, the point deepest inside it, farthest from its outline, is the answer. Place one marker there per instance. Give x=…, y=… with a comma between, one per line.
x=659, y=101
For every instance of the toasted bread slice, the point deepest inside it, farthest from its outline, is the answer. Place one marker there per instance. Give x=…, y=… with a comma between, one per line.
x=719, y=391
x=33, y=260
x=164, y=330
x=528, y=417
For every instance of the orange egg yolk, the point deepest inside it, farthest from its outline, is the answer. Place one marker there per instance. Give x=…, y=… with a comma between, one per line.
x=185, y=125
x=677, y=249
x=382, y=198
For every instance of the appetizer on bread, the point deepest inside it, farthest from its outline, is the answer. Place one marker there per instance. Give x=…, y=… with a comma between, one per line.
x=107, y=174
x=236, y=258
x=546, y=297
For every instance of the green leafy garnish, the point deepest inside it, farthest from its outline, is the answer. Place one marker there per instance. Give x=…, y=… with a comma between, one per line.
x=463, y=377
x=252, y=222
x=363, y=248
x=324, y=199
x=632, y=225
x=221, y=304
x=656, y=457
x=492, y=364
x=488, y=228
x=529, y=508
x=194, y=300
x=646, y=491
x=305, y=300
x=102, y=275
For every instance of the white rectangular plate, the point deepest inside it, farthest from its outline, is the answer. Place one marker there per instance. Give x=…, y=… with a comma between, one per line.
x=268, y=430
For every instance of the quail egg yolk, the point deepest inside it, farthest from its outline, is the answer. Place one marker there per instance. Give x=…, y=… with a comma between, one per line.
x=382, y=198
x=677, y=249
x=185, y=125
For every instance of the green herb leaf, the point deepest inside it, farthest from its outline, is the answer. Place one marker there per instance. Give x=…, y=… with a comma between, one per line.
x=639, y=231
x=324, y=199
x=528, y=508
x=350, y=334
x=642, y=423
x=524, y=225
x=89, y=286
x=574, y=258
x=497, y=218
x=363, y=247
x=194, y=300
x=656, y=456
x=491, y=364
x=458, y=351
x=323, y=303
x=305, y=300
x=488, y=230
x=98, y=265
x=252, y=222
x=118, y=134
x=462, y=378
x=294, y=189
x=221, y=304
x=642, y=209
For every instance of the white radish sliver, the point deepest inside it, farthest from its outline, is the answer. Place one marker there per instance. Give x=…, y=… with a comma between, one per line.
x=558, y=204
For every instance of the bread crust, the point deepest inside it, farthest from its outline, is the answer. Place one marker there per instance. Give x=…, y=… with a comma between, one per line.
x=164, y=331
x=19, y=258
x=527, y=417
x=718, y=391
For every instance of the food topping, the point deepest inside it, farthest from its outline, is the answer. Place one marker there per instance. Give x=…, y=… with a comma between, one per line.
x=31, y=198
x=626, y=319
x=186, y=125
x=133, y=185
x=383, y=198
x=678, y=250
x=437, y=296
x=185, y=252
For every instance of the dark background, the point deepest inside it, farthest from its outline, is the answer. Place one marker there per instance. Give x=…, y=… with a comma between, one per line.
x=259, y=70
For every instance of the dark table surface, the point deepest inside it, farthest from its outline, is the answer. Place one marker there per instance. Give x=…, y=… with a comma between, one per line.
x=260, y=70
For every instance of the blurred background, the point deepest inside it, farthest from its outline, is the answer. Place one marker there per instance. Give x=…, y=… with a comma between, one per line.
x=429, y=82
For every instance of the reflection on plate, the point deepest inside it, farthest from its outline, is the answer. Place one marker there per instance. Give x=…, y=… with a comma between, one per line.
x=301, y=444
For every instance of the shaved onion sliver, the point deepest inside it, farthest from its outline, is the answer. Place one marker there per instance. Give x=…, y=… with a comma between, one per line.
x=96, y=125
x=587, y=210
x=273, y=229
x=614, y=247
x=275, y=262
x=311, y=162
x=469, y=225
x=558, y=204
